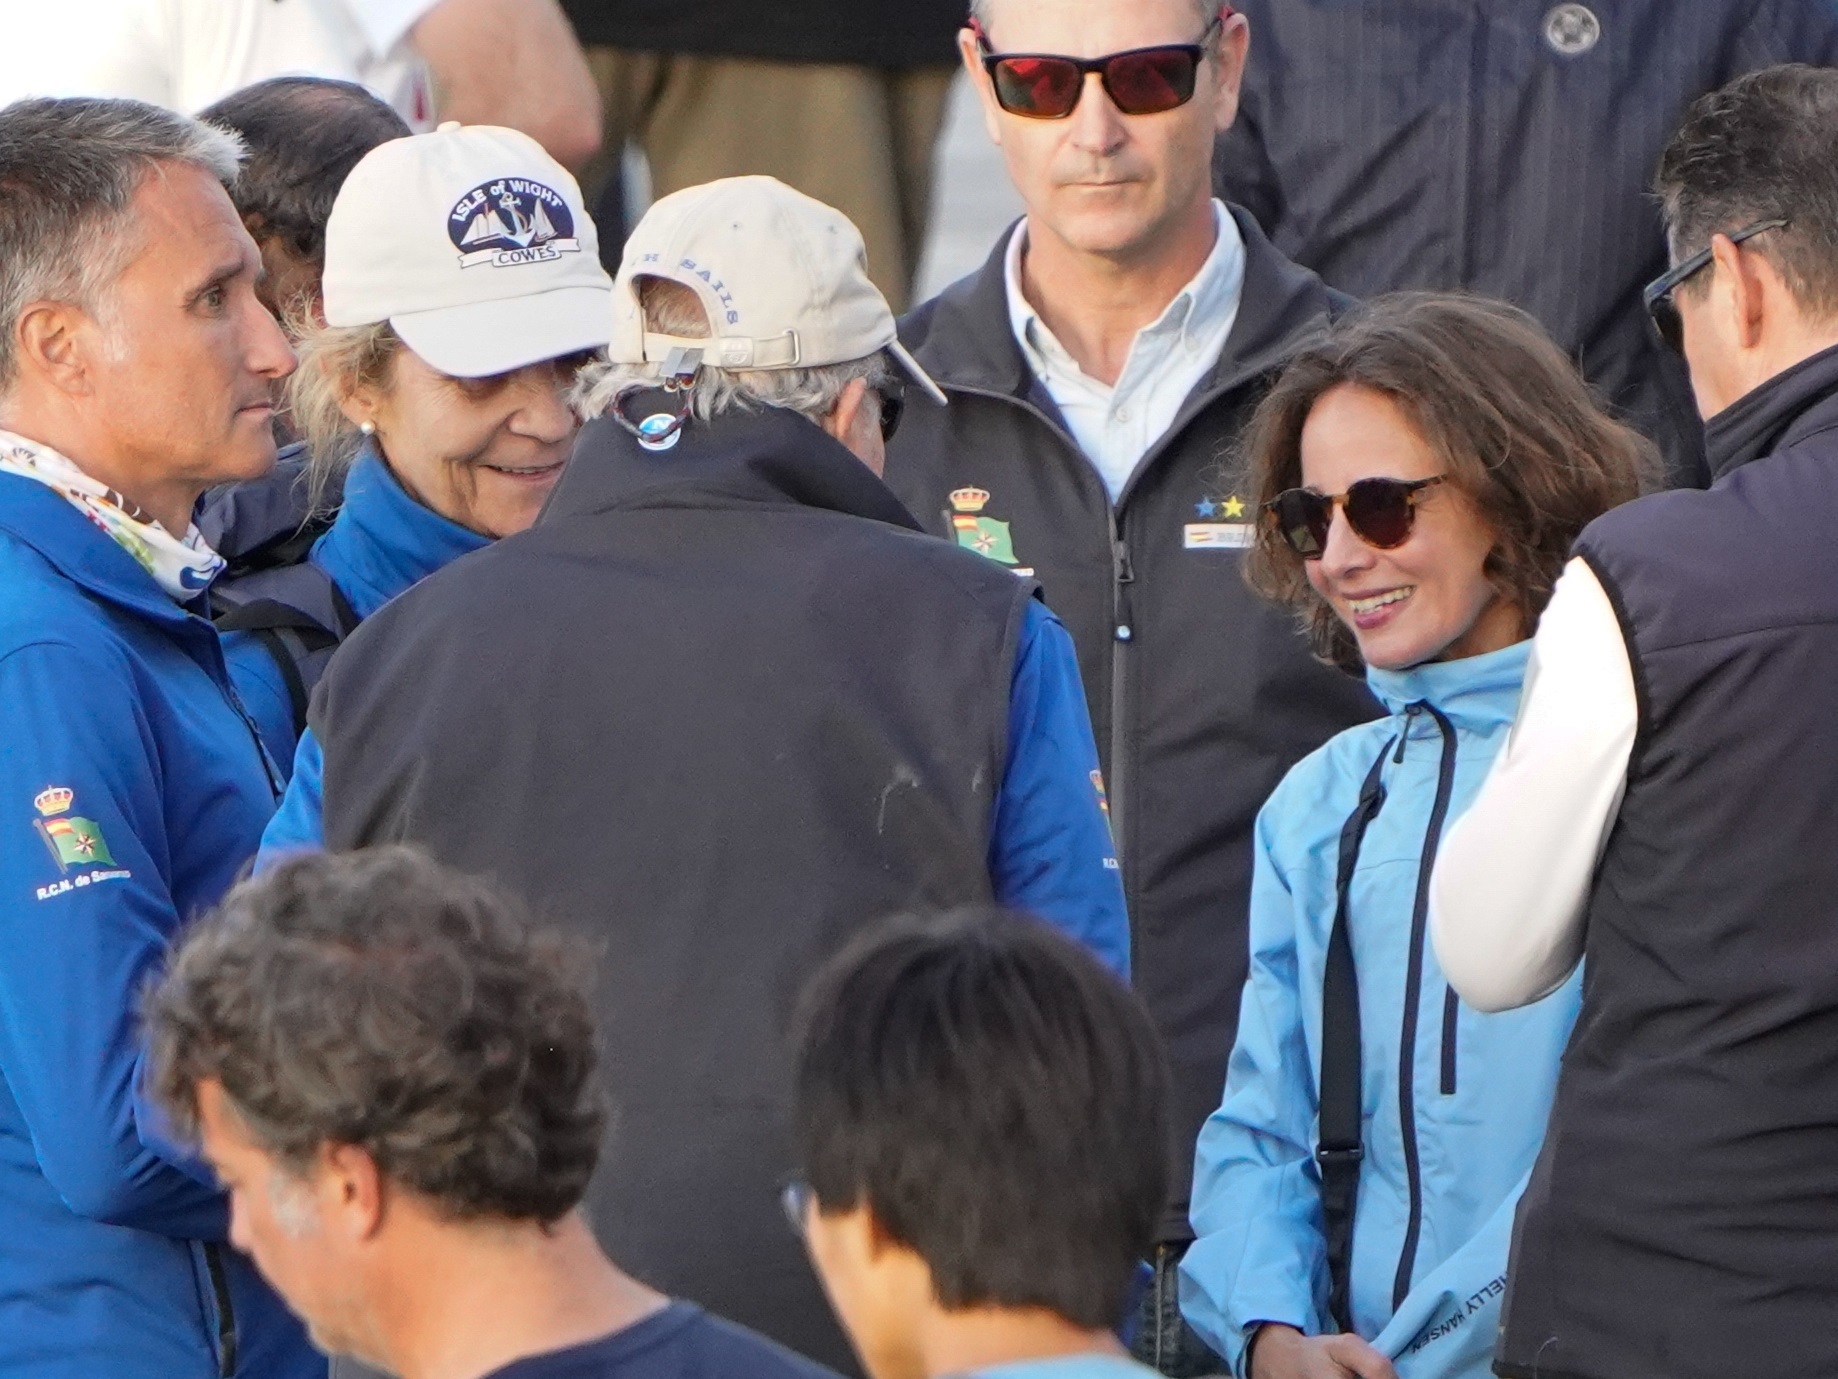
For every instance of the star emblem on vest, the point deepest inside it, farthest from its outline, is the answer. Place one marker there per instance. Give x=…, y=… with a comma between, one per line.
x=511, y=221
x=1222, y=524
x=975, y=532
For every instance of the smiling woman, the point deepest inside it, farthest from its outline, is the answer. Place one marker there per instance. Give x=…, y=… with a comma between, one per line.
x=462, y=293
x=1422, y=472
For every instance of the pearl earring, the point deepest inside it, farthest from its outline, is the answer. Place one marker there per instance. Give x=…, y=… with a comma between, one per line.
x=369, y=428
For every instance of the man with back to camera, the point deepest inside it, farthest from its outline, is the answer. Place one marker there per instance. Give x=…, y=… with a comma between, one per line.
x=136, y=369
x=1663, y=810
x=1099, y=368
x=725, y=679
x=394, y=1074
x=970, y=1217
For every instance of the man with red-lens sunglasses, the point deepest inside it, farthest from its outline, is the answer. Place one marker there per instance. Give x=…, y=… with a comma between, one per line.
x=1099, y=368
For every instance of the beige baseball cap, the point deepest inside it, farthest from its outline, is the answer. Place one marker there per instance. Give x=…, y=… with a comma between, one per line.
x=474, y=245
x=783, y=279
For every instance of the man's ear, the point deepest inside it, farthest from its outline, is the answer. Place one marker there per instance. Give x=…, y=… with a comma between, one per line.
x=1742, y=282
x=979, y=79
x=54, y=341
x=1234, y=46
x=352, y=1190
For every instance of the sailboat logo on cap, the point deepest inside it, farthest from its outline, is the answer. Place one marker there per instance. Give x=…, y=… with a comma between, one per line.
x=511, y=221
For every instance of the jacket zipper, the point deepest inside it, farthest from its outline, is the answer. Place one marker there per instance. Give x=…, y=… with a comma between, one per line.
x=1124, y=632
x=226, y=1312
x=1413, y=995
x=1451, y=1008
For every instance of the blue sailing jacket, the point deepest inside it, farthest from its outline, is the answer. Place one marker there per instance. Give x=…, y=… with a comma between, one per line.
x=1454, y=1101
x=381, y=542
x=132, y=791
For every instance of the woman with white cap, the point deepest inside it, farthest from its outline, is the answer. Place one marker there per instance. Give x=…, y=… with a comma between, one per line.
x=462, y=291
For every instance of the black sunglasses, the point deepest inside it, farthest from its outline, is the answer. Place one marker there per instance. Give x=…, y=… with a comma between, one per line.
x=1380, y=511
x=893, y=406
x=1662, y=310
x=1142, y=81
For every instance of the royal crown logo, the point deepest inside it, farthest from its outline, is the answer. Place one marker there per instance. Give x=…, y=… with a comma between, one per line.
x=53, y=801
x=969, y=499
x=511, y=221
x=984, y=535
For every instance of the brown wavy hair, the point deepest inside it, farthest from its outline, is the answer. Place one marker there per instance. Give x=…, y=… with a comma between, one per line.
x=1519, y=433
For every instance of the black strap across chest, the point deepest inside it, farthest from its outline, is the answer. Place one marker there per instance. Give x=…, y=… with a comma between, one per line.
x=1340, y=1149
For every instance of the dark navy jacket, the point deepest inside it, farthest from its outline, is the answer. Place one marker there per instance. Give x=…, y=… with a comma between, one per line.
x=1499, y=146
x=1682, y=1219
x=132, y=791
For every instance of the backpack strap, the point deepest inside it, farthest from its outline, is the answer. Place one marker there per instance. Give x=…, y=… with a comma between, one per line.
x=1339, y=1150
x=298, y=641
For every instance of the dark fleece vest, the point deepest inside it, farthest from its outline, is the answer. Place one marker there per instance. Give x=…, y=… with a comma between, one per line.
x=1682, y=1222
x=721, y=709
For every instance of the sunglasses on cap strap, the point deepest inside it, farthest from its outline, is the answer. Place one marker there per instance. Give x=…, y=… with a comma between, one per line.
x=1381, y=513
x=1142, y=81
x=1662, y=309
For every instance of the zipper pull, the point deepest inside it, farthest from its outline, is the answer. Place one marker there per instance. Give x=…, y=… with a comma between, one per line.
x=1410, y=716
x=1125, y=575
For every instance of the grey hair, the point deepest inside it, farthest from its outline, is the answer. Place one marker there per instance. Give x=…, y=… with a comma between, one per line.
x=811, y=392
x=381, y=1000
x=69, y=170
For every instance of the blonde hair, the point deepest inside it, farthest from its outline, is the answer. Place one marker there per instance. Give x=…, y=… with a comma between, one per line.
x=334, y=362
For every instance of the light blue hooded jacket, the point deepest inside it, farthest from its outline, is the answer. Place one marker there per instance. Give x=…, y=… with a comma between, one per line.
x=1450, y=1142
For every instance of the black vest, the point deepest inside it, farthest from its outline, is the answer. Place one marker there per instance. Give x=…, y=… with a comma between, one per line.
x=1682, y=1222
x=719, y=710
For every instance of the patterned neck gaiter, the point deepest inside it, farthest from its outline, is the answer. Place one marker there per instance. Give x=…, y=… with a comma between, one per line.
x=183, y=568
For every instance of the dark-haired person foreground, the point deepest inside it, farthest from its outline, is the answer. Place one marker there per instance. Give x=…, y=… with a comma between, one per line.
x=302, y=137
x=975, y=1107
x=395, y=1076
x=136, y=370
x=1422, y=472
x=1664, y=813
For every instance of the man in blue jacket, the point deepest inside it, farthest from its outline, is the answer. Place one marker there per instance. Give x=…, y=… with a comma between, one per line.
x=136, y=369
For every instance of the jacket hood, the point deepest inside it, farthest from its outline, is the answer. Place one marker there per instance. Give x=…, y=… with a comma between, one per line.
x=1475, y=693
x=1786, y=408
x=383, y=540
x=963, y=337
x=771, y=457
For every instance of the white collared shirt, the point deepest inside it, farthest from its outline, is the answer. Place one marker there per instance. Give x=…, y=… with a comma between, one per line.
x=1115, y=426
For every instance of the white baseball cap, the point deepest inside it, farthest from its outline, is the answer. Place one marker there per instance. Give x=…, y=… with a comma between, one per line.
x=783, y=280
x=474, y=245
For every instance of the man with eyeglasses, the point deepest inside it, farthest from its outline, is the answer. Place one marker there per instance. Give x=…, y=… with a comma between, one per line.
x=1664, y=813
x=1099, y=368
x=724, y=705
